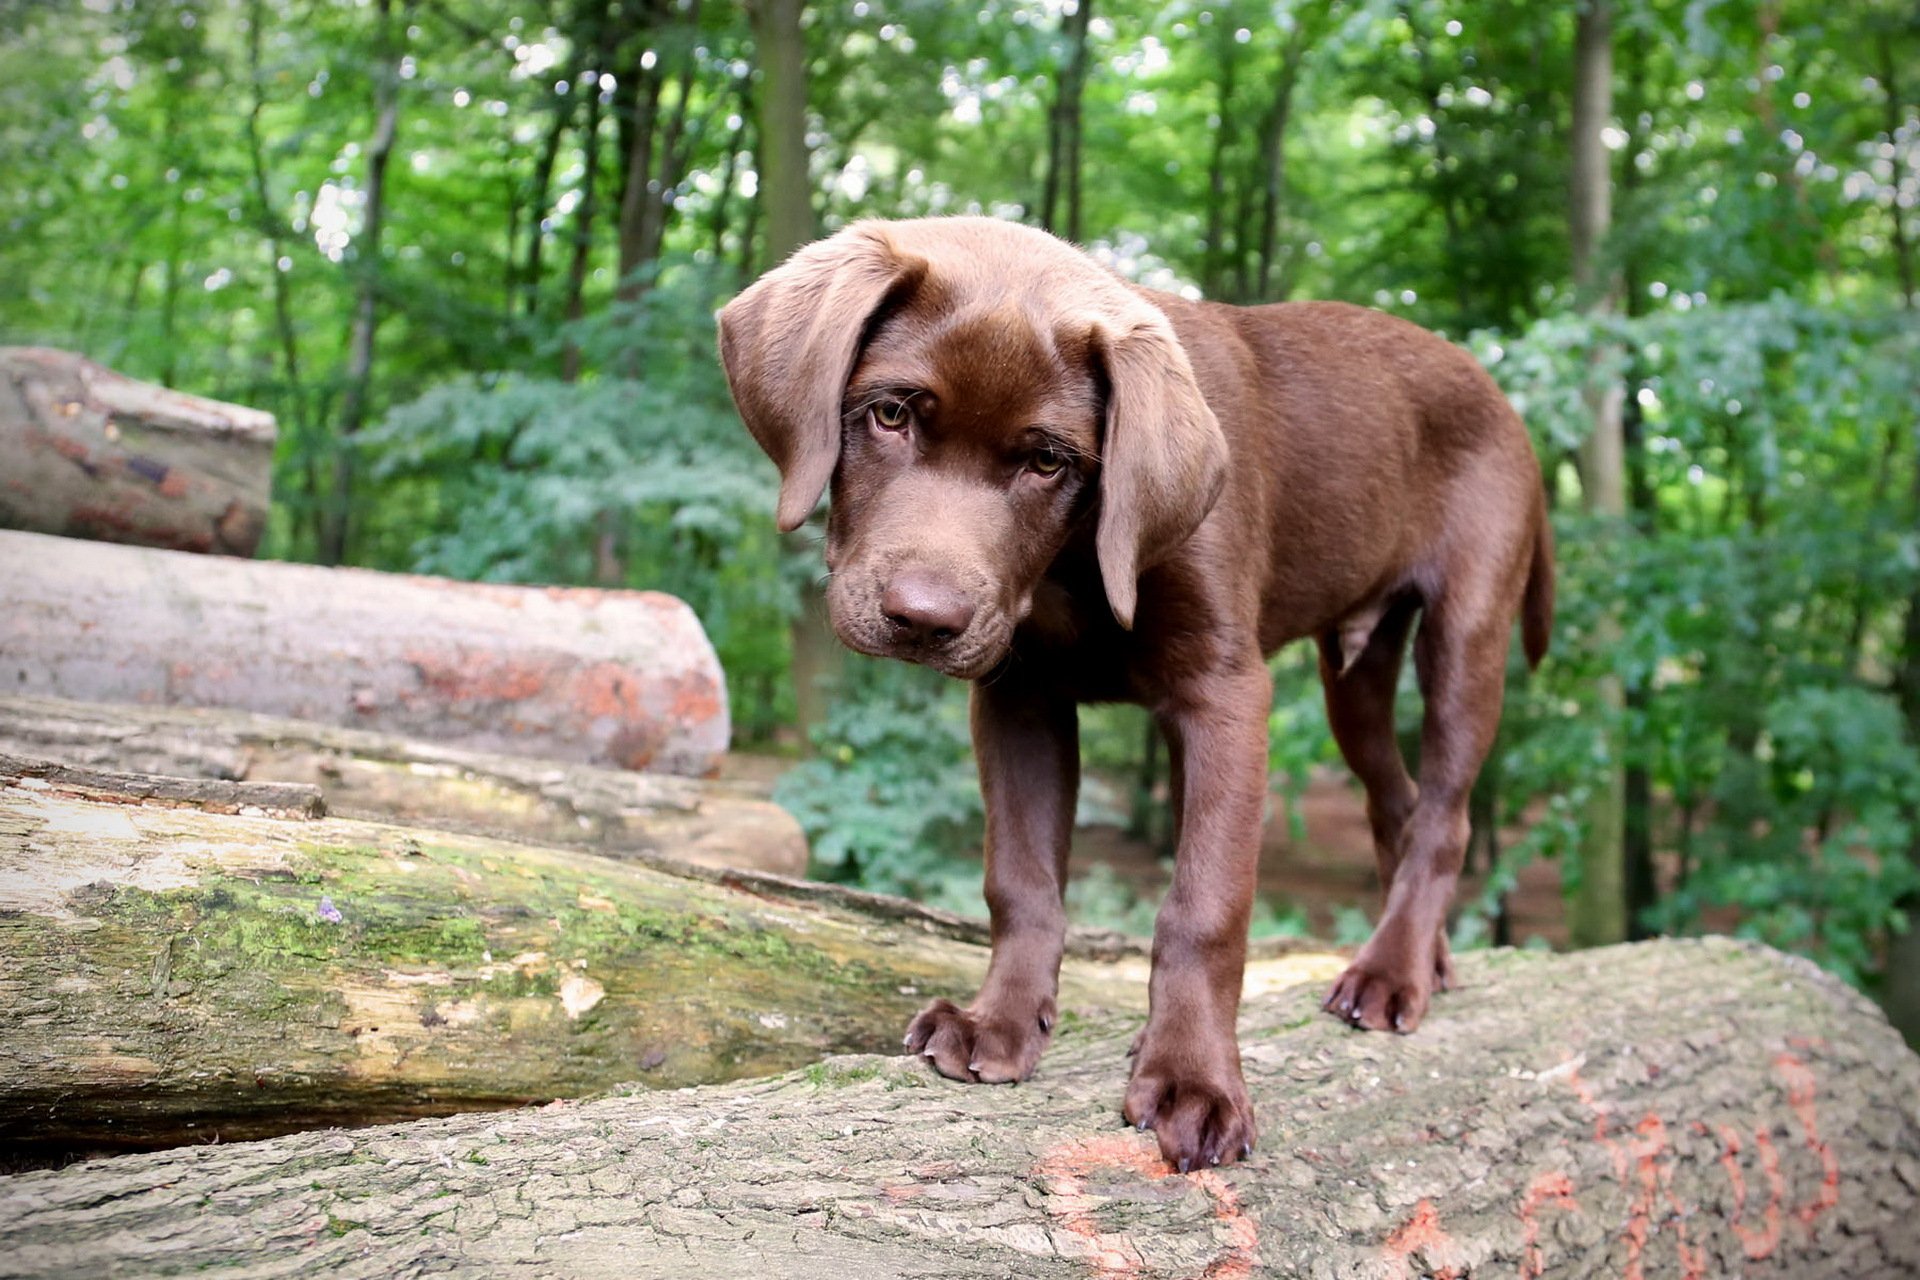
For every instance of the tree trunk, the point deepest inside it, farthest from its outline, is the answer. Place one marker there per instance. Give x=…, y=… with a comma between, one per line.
x=272, y=228
x=784, y=189
x=619, y=678
x=1273, y=146
x=583, y=219
x=335, y=529
x=1063, y=128
x=1214, y=270
x=655, y=165
x=785, y=194
x=1666, y=1109
x=386, y=778
x=539, y=205
x=1598, y=912
x=93, y=454
x=193, y=959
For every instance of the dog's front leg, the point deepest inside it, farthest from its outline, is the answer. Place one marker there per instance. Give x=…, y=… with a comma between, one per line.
x=1026, y=740
x=1186, y=1083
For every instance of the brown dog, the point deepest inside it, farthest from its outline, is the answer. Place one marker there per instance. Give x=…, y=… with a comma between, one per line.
x=1067, y=490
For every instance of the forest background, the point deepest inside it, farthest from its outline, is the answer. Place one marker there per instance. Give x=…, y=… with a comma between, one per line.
x=468, y=252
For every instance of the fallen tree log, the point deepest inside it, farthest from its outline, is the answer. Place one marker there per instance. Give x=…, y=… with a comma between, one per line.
x=176, y=975
x=91, y=453
x=619, y=678
x=1669, y=1109
x=382, y=777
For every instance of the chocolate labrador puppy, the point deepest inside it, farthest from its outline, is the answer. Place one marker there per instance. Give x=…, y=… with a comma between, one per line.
x=1068, y=489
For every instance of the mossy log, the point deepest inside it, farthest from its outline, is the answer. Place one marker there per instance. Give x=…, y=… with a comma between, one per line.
x=1669, y=1109
x=180, y=975
x=91, y=453
x=382, y=777
x=625, y=679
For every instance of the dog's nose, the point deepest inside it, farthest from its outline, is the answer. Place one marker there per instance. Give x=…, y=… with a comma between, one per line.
x=924, y=607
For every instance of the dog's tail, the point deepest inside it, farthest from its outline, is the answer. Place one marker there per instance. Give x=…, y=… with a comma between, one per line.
x=1536, y=607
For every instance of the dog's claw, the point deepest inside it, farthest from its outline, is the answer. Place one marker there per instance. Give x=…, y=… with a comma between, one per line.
x=1184, y=1164
x=1246, y=1151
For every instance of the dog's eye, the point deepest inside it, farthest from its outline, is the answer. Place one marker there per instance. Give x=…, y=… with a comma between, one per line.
x=892, y=415
x=1047, y=462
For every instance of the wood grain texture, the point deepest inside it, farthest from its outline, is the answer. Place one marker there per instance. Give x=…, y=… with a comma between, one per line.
x=1669, y=1109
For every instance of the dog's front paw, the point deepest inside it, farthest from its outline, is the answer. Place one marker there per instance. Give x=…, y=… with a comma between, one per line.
x=1388, y=985
x=982, y=1045
x=1201, y=1114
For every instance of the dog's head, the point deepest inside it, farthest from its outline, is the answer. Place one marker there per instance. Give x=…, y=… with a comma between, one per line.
x=974, y=390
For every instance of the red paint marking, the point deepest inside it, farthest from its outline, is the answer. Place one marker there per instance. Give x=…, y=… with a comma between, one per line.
x=1758, y=1243
x=1546, y=1188
x=1648, y=1156
x=1800, y=1088
x=1114, y=1256
x=1423, y=1234
x=1693, y=1262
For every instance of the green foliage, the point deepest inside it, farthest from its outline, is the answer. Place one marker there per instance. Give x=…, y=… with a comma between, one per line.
x=890, y=798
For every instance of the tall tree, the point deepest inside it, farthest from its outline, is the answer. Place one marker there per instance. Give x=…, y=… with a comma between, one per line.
x=272, y=228
x=389, y=39
x=1064, y=127
x=1598, y=913
x=1308, y=22
x=786, y=196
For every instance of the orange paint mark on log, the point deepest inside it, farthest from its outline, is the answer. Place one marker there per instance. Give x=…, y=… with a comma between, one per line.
x=1601, y=1120
x=1643, y=1158
x=1547, y=1188
x=1758, y=1243
x=1422, y=1234
x=454, y=676
x=1114, y=1256
x=1800, y=1089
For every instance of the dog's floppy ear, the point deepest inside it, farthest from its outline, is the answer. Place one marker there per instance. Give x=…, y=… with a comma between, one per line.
x=1164, y=459
x=789, y=344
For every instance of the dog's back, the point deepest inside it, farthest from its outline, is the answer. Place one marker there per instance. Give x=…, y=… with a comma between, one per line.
x=1369, y=452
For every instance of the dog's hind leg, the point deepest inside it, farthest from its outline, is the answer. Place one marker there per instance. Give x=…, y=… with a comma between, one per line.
x=1460, y=656
x=1360, y=689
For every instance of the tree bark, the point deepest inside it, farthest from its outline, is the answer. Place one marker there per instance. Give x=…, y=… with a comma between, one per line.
x=335, y=528
x=655, y=165
x=1214, y=272
x=586, y=212
x=1598, y=912
x=619, y=678
x=1064, y=127
x=192, y=959
x=272, y=229
x=93, y=454
x=386, y=778
x=785, y=196
x=1273, y=143
x=784, y=189
x=1665, y=1109
x=539, y=204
